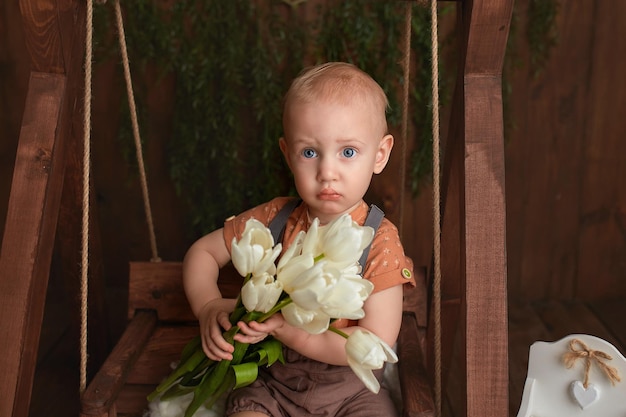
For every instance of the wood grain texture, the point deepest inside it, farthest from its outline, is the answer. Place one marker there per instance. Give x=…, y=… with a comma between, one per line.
x=99, y=398
x=474, y=217
x=159, y=286
x=485, y=291
x=415, y=381
x=28, y=240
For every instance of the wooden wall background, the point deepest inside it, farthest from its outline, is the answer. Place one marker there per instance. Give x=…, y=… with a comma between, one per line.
x=565, y=171
x=565, y=176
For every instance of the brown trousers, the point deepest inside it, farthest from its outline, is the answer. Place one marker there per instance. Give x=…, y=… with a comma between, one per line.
x=303, y=387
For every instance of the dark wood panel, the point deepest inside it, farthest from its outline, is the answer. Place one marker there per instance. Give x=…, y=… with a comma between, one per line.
x=28, y=239
x=525, y=327
x=158, y=286
x=612, y=313
x=602, y=264
x=168, y=341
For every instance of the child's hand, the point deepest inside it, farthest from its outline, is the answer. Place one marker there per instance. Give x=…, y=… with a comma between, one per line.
x=213, y=319
x=255, y=332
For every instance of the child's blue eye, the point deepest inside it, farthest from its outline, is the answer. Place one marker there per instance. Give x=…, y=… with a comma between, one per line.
x=349, y=152
x=309, y=153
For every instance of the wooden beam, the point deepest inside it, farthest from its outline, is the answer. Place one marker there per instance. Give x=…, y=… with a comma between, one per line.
x=473, y=219
x=485, y=294
x=28, y=240
x=53, y=30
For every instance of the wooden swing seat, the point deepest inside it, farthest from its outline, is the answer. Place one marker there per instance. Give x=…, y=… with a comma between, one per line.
x=161, y=323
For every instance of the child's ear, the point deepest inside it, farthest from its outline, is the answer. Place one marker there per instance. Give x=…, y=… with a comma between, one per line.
x=383, y=153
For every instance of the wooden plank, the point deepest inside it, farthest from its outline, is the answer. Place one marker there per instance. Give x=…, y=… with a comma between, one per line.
x=603, y=174
x=71, y=24
x=28, y=240
x=159, y=286
x=545, y=159
x=56, y=381
x=132, y=400
x=162, y=350
x=43, y=33
x=35, y=195
x=611, y=313
x=486, y=28
x=485, y=293
x=563, y=318
x=473, y=227
x=452, y=215
x=485, y=297
x=415, y=384
x=525, y=328
x=100, y=396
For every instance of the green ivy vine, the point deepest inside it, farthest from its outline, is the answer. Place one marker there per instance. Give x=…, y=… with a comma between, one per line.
x=232, y=62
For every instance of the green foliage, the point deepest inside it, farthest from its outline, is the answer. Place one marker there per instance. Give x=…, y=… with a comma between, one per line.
x=232, y=62
x=541, y=31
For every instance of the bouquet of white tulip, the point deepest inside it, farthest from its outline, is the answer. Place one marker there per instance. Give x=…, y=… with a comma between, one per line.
x=316, y=281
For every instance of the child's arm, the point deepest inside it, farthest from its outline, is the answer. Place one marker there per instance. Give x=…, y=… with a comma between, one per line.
x=200, y=272
x=383, y=316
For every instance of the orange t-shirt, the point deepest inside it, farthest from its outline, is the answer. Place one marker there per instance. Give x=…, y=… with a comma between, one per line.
x=386, y=266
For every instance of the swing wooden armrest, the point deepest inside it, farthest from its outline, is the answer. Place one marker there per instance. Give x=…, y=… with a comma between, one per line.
x=161, y=323
x=99, y=398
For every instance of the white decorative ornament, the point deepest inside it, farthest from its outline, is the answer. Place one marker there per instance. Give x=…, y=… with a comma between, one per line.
x=584, y=397
x=550, y=392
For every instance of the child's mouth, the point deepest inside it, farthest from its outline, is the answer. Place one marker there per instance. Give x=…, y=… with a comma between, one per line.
x=328, y=195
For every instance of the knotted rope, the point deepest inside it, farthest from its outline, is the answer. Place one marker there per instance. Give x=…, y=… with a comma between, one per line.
x=579, y=350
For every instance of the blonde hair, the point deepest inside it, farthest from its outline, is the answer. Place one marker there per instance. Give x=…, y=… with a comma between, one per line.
x=339, y=82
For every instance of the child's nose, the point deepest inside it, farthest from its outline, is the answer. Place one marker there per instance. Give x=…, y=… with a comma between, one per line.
x=326, y=169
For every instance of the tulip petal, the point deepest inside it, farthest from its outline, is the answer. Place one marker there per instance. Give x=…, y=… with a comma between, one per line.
x=365, y=375
x=311, y=321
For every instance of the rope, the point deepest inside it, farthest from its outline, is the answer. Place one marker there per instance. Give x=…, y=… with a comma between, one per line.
x=135, y=125
x=406, y=68
x=590, y=356
x=85, y=205
x=84, y=281
x=436, y=203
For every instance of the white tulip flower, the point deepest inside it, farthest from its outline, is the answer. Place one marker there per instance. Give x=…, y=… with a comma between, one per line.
x=255, y=252
x=293, y=263
x=342, y=241
x=314, y=322
x=323, y=288
x=365, y=352
x=261, y=292
x=310, y=243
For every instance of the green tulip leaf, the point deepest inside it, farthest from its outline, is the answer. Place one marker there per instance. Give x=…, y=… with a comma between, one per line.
x=245, y=373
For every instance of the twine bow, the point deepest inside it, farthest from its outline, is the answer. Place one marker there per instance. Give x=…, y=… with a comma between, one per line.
x=579, y=350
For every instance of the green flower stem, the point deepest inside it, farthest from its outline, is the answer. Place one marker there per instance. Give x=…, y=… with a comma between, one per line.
x=235, y=316
x=193, y=361
x=213, y=381
x=339, y=332
x=318, y=258
x=279, y=306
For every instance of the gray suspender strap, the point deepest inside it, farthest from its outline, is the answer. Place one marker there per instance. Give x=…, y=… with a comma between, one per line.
x=278, y=223
x=373, y=220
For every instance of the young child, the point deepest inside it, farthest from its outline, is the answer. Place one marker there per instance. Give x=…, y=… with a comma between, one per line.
x=335, y=139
